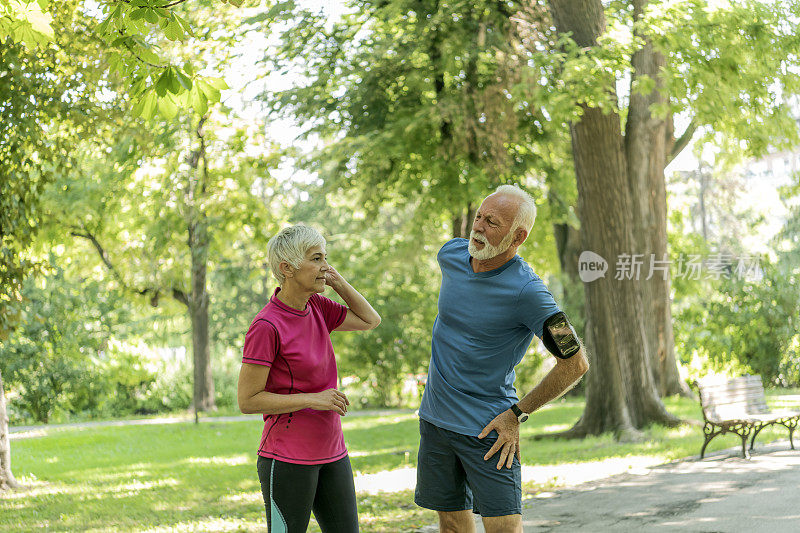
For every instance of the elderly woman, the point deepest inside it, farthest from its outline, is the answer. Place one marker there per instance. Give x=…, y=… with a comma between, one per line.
x=289, y=375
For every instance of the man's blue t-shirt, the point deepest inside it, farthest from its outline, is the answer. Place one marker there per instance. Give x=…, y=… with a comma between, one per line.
x=485, y=324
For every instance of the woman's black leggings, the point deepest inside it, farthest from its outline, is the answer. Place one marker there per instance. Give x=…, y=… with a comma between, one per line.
x=292, y=491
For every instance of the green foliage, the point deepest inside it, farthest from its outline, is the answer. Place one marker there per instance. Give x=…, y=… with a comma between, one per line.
x=135, y=219
x=65, y=359
x=732, y=66
x=55, y=89
x=130, y=32
x=26, y=22
x=140, y=210
x=50, y=363
x=391, y=260
x=748, y=327
x=160, y=81
x=742, y=324
x=42, y=97
x=435, y=103
x=418, y=103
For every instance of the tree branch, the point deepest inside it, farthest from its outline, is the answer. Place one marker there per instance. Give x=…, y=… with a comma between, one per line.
x=683, y=141
x=171, y=4
x=82, y=232
x=137, y=56
x=181, y=296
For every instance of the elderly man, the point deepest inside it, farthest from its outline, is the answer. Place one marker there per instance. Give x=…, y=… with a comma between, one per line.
x=491, y=304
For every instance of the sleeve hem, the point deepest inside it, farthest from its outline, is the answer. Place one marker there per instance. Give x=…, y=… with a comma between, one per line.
x=259, y=362
x=341, y=318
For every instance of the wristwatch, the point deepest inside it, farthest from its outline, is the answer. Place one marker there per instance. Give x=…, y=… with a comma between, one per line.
x=521, y=416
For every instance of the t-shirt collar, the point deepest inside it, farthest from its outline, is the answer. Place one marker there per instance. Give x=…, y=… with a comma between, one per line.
x=489, y=273
x=280, y=305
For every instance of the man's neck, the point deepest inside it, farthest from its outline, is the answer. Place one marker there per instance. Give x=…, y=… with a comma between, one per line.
x=485, y=265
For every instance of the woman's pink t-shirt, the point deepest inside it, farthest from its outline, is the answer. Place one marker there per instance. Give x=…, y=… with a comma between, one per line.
x=296, y=345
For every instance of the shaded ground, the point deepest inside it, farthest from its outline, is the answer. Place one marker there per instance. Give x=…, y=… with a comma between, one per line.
x=719, y=494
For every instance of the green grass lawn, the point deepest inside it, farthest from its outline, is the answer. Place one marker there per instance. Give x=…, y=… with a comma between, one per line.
x=183, y=477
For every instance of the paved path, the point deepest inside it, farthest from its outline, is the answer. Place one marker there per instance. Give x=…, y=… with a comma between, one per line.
x=719, y=494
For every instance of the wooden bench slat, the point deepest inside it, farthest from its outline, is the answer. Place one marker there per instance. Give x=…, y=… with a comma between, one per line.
x=750, y=386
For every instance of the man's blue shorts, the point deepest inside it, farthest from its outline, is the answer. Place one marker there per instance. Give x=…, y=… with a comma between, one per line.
x=453, y=476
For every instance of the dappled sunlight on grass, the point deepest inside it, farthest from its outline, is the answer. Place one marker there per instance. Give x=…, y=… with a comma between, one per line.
x=392, y=513
x=370, y=422
x=219, y=524
x=386, y=481
x=170, y=478
x=390, y=442
x=254, y=498
x=581, y=472
x=132, y=472
x=32, y=434
x=681, y=431
x=555, y=428
x=235, y=460
x=186, y=477
x=379, y=452
x=135, y=487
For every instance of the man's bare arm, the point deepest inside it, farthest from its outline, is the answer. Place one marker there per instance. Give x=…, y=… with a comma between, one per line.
x=558, y=381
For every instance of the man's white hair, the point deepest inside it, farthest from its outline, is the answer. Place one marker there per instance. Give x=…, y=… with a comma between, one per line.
x=526, y=215
x=291, y=244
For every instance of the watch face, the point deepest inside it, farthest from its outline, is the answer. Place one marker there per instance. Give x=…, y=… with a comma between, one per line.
x=523, y=418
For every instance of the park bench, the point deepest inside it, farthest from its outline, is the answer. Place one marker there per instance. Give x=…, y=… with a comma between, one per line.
x=739, y=406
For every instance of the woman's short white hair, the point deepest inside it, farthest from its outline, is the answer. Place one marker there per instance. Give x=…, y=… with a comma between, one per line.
x=526, y=215
x=291, y=244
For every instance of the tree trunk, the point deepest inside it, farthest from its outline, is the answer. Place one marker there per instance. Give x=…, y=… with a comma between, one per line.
x=7, y=479
x=568, y=246
x=203, y=380
x=668, y=379
x=621, y=395
x=462, y=222
x=646, y=155
x=198, y=301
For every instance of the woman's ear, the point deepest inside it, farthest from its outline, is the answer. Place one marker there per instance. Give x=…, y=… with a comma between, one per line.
x=286, y=269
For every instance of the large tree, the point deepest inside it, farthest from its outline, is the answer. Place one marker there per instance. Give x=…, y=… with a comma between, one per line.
x=49, y=84
x=442, y=101
x=621, y=392
x=447, y=103
x=160, y=224
x=624, y=170
x=422, y=93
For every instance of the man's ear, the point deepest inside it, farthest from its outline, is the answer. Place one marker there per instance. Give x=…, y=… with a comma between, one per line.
x=519, y=237
x=286, y=269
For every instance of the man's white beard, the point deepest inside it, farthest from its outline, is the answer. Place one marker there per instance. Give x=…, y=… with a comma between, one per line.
x=488, y=250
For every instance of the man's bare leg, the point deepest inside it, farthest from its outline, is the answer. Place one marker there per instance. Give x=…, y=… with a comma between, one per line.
x=456, y=522
x=511, y=523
